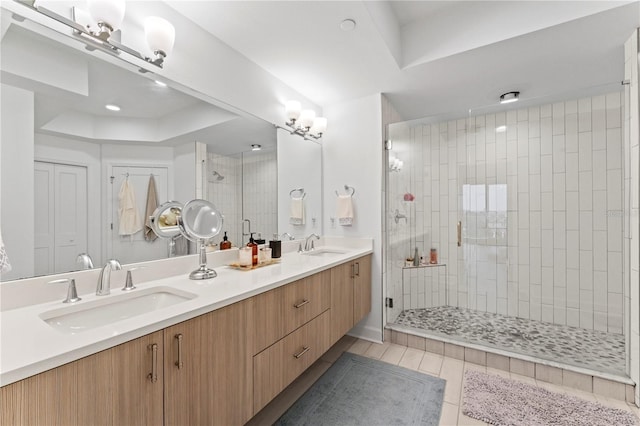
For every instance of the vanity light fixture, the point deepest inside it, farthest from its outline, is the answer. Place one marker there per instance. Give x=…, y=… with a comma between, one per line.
x=303, y=122
x=507, y=98
x=112, y=107
x=256, y=147
x=108, y=16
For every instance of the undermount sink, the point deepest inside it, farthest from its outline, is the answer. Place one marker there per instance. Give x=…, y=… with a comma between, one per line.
x=109, y=309
x=324, y=252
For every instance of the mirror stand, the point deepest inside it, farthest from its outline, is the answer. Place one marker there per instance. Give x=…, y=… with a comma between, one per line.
x=203, y=273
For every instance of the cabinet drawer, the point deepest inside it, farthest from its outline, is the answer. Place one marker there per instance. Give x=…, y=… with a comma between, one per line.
x=278, y=312
x=279, y=365
x=306, y=299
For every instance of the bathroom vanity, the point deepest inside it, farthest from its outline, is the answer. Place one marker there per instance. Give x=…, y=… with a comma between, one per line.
x=216, y=357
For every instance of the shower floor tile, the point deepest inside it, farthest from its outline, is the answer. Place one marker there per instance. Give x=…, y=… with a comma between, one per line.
x=595, y=350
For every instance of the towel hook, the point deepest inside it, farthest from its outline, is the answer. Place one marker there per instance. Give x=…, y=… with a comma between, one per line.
x=347, y=188
x=300, y=190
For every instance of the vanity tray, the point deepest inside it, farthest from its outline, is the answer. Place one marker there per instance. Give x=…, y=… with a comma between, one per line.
x=236, y=265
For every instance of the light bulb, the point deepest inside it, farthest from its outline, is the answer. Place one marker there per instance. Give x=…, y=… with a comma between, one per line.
x=292, y=109
x=306, y=118
x=319, y=126
x=110, y=12
x=160, y=34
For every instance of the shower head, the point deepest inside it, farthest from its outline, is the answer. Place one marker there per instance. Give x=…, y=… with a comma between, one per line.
x=218, y=176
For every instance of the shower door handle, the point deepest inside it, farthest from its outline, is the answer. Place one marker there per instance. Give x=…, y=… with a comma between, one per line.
x=459, y=226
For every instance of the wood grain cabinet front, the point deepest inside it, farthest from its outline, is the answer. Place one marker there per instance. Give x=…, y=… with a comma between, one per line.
x=122, y=385
x=278, y=312
x=208, y=369
x=281, y=363
x=350, y=295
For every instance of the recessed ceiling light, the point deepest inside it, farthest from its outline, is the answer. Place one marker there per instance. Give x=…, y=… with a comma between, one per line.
x=509, y=97
x=256, y=147
x=112, y=107
x=160, y=83
x=348, y=25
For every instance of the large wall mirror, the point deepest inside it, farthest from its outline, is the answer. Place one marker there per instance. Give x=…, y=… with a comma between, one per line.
x=69, y=165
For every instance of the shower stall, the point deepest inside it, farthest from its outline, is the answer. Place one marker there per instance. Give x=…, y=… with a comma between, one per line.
x=523, y=206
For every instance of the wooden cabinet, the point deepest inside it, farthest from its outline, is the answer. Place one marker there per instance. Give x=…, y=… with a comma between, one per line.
x=278, y=312
x=219, y=368
x=111, y=387
x=291, y=330
x=350, y=295
x=279, y=365
x=208, y=369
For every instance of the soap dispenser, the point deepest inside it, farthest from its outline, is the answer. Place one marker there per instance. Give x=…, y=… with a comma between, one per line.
x=254, y=250
x=276, y=247
x=225, y=244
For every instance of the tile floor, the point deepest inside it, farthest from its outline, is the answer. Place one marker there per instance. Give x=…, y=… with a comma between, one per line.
x=591, y=349
x=450, y=369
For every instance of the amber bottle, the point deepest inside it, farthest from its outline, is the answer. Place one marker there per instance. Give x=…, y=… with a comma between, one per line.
x=225, y=244
x=254, y=250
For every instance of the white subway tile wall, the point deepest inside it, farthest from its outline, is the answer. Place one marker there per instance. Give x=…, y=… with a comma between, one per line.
x=541, y=209
x=256, y=202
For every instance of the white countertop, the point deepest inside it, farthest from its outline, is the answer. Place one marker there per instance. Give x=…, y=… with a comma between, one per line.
x=30, y=346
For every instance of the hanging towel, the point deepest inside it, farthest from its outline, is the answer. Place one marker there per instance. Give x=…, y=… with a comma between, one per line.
x=344, y=210
x=5, y=266
x=297, y=211
x=128, y=211
x=152, y=204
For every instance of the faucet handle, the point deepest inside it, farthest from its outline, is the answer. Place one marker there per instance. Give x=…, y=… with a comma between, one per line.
x=300, y=248
x=72, y=293
x=128, y=284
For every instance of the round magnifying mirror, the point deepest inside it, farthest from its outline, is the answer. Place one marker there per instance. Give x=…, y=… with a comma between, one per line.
x=200, y=221
x=164, y=220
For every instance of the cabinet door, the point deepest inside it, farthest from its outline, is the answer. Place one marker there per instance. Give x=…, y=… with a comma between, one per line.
x=341, y=300
x=362, y=288
x=112, y=387
x=207, y=369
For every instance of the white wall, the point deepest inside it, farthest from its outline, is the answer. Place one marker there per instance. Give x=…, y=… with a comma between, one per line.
x=17, y=194
x=632, y=208
x=299, y=166
x=352, y=155
x=186, y=177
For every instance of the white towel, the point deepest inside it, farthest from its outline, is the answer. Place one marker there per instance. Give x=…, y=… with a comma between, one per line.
x=344, y=210
x=130, y=222
x=5, y=266
x=297, y=211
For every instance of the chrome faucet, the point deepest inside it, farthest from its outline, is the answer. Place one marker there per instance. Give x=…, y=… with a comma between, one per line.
x=289, y=236
x=104, y=280
x=85, y=260
x=308, y=242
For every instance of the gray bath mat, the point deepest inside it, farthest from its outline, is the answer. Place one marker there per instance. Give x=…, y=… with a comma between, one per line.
x=362, y=391
x=499, y=401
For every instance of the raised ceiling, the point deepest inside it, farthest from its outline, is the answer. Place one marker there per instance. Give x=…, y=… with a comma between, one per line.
x=429, y=58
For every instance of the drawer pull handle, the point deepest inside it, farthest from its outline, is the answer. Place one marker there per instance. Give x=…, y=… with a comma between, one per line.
x=301, y=304
x=153, y=376
x=305, y=349
x=357, y=273
x=179, y=362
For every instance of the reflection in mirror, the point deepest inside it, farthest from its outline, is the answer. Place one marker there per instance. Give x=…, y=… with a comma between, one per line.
x=200, y=221
x=65, y=157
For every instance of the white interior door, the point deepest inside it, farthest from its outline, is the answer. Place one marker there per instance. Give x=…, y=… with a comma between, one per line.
x=60, y=216
x=44, y=218
x=70, y=216
x=134, y=248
